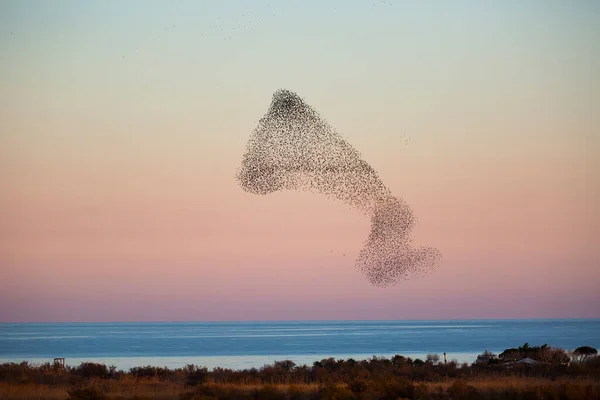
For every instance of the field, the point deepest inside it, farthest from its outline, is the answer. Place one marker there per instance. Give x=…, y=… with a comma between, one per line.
x=376, y=378
x=149, y=388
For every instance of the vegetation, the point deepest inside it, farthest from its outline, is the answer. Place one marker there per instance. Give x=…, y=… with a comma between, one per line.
x=584, y=352
x=543, y=354
x=556, y=375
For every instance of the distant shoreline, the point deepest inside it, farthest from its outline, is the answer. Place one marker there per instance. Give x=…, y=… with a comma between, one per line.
x=254, y=344
x=233, y=362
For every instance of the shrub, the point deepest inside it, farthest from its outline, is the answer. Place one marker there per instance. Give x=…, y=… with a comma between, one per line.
x=195, y=375
x=150, y=372
x=418, y=362
x=357, y=386
x=91, y=370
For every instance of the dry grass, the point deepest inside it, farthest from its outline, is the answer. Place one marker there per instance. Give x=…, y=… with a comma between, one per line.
x=32, y=391
x=147, y=388
x=128, y=388
x=502, y=382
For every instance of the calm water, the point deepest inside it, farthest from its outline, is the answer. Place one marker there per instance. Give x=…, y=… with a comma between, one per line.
x=252, y=344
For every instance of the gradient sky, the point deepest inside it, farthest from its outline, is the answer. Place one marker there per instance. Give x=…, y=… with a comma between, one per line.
x=122, y=125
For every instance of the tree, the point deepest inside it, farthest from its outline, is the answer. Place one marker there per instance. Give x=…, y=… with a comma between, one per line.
x=526, y=350
x=418, y=362
x=511, y=354
x=286, y=365
x=584, y=352
x=90, y=370
x=553, y=356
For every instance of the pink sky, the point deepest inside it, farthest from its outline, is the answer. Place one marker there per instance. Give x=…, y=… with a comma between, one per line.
x=118, y=200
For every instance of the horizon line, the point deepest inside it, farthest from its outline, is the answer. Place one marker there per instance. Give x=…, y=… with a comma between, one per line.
x=300, y=320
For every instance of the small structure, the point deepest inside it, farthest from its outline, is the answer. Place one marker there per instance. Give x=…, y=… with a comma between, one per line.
x=527, y=360
x=59, y=363
x=485, y=357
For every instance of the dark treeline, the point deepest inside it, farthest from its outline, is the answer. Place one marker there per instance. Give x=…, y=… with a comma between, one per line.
x=375, y=378
x=286, y=372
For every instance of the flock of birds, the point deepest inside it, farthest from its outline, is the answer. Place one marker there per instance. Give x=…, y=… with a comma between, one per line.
x=294, y=148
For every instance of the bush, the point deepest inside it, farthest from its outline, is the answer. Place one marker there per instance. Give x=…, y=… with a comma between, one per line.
x=357, y=386
x=195, y=375
x=91, y=370
x=13, y=373
x=418, y=362
x=150, y=372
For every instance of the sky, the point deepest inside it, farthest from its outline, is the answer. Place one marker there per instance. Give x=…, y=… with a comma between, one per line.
x=122, y=125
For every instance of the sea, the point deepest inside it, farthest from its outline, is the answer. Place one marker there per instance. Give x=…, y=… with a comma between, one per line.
x=241, y=345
